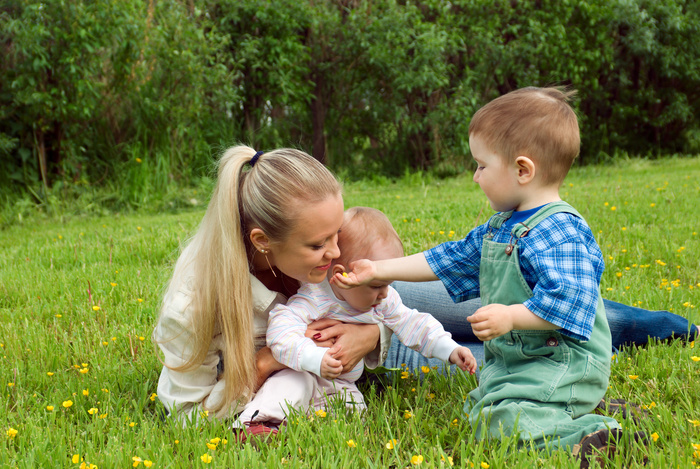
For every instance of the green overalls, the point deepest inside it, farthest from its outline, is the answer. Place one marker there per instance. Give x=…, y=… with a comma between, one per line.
x=538, y=384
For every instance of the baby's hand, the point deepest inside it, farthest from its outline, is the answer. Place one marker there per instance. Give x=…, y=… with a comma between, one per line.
x=331, y=367
x=363, y=272
x=464, y=359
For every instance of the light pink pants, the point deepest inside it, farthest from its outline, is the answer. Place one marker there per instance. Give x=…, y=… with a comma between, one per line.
x=299, y=390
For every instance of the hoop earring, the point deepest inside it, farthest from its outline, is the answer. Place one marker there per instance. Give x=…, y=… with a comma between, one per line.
x=264, y=252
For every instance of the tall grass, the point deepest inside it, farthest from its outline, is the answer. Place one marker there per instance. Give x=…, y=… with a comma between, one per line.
x=79, y=297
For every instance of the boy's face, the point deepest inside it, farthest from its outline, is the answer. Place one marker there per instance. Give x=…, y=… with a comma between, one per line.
x=495, y=177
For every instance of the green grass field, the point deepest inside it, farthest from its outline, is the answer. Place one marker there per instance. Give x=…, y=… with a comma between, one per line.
x=79, y=298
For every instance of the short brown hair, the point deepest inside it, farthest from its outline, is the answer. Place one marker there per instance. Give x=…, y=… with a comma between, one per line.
x=363, y=229
x=535, y=122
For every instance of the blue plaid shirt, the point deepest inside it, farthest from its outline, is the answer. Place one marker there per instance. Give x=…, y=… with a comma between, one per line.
x=559, y=259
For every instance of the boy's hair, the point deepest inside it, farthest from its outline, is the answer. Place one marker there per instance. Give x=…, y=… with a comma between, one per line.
x=535, y=122
x=365, y=228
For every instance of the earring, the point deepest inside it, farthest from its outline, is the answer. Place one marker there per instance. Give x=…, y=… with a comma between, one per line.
x=264, y=252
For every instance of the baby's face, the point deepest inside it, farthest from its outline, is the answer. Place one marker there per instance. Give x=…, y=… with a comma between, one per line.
x=366, y=297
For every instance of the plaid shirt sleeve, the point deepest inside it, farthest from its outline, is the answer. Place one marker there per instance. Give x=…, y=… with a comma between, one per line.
x=562, y=263
x=456, y=264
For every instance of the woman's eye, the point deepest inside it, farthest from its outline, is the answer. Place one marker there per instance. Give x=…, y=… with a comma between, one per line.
x=318, y=247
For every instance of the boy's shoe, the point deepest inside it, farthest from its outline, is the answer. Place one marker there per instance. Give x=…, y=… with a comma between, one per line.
x=616, y=406
x=601, y=445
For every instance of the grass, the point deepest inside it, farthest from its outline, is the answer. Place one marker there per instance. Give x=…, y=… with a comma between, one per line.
x=79, y=297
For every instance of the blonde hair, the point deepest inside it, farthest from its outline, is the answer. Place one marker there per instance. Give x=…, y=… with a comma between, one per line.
x=535, y=122
x=364, y=229
x=268, y=196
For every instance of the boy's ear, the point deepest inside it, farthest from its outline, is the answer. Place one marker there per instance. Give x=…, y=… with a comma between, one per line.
x=338, y=269
x=526, y=169
x=259, y=239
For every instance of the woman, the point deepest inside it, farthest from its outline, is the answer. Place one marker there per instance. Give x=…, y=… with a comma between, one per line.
x=272, y=223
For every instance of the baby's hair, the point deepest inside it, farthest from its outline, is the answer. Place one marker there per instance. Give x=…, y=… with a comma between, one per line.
x=267, y=194
x=535, y=122
x=363, y=230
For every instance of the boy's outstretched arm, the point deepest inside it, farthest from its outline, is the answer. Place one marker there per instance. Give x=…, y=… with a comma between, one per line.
x=413, y=268
x=494, y=320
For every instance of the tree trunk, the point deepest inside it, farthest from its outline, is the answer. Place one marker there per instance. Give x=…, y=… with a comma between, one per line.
x=318, y=120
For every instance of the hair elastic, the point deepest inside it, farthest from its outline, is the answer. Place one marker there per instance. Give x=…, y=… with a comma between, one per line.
x=255, y=157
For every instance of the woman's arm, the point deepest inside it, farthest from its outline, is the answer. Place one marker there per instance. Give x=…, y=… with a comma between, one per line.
x=355, y=341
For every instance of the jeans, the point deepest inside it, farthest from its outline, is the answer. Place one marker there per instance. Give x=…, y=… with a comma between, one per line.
x=628, y=325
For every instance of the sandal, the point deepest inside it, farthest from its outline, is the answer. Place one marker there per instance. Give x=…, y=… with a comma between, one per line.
x=615, y=406
x=257, y=433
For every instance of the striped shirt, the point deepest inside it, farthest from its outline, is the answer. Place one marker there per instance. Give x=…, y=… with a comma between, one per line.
x=287, y=325
x=559, y=259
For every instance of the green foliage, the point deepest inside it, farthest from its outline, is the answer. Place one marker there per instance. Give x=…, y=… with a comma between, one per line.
x=87, y=88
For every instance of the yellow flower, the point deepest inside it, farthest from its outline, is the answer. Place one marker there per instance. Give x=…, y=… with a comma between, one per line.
x=84, y=371
x=9, y=385
x=416, y=460
x=138, y=160
x=132, y=424
x=92, y=411
x=148, y=463
x=633, y=376
x=103, y=416
x=67, y=404
x=407, y=415
x=140, y=300
x=351, y=443
x=486, y=465
x=137, y=461
x=215, y=441
x=696, y=423
x=390, y=444
x=449, y=461
x=86, y=392
x=321, y=413
x=695, y=359
x=49, y=408
x=75, y=459
x=95, y=308
x=211, y=446
x=49, y=373
x=455, y=422
x=11, y=433
x=654, y=436
x=113, y=284
x=425, y=369
x=611, y=208
x=404, y=374
x=153, y=397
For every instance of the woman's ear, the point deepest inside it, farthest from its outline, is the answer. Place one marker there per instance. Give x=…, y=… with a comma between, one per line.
x=526, y=169
x=259, y=240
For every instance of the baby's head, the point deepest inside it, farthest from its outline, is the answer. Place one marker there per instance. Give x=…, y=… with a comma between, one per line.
x=534, y=122
x=366, y=233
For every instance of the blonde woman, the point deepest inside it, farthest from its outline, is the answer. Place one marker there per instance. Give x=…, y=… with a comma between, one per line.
x=271, y=224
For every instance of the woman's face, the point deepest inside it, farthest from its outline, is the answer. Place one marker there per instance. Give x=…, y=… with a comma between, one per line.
x=307, y=252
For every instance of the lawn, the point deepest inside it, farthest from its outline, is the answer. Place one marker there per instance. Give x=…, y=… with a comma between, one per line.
x=79, y=297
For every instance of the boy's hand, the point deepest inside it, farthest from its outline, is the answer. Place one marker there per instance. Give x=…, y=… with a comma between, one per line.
x=331, y=367
x=363, y=272
x=491, y=321
x=464, y=359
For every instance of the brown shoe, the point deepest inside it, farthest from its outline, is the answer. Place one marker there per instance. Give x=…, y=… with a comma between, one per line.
x=602, y=445
x=617, y=406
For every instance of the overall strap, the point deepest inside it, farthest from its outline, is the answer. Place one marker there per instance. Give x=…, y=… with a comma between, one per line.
x=521, y=229
x=498, y=219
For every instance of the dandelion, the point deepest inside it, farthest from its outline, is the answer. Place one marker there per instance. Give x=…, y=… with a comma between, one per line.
x=11, y=433
x=138, y=228
x=211, y=446
x=153, y=397
x=425, y=369
x=132, y=424
x=407, y=415
x=351, y=443
x=49, y=408
x=75, y=459
x=92, y=411
x=652, y=205
x=84, y=371
x=105, y=343
x=113, y=284
x=485, y=465
x=404, y=374
x=613, y=208
x=321, y=413
x=633, y=376
x=142, y=338
x=95, y=308
x=654, y=436
x=416, y=460
x=140, y=300
x=390, y=444
x=137, y=461
x=9, y=385
x=148, y=463
x=67, y=403
x=695, y=359
x=215, y=441
x=86, y=392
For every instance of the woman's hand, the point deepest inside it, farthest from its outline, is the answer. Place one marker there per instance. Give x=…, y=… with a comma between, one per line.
x=354, y=341
x=266, y=365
